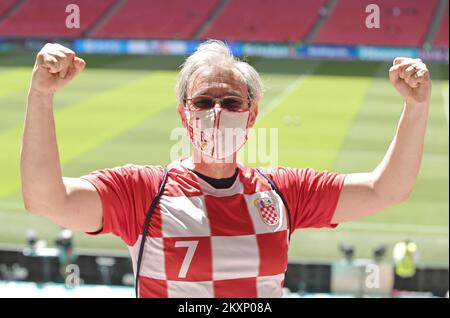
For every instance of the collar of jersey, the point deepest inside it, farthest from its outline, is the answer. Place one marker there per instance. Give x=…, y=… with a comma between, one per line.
x=207, y=189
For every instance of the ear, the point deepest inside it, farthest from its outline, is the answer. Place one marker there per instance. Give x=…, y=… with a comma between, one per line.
x=180, y=110
x=253, y=115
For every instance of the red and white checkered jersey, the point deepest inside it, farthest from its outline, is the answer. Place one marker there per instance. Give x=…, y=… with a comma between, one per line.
x=208, y=242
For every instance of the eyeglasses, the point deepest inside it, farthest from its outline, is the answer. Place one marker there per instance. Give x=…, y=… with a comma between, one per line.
x=203, y=102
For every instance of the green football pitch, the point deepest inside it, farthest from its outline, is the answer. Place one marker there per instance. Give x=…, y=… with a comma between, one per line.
x=335, y=116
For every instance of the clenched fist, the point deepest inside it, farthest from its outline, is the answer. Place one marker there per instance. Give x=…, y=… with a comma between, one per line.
x=411, y=79
x=55, y=66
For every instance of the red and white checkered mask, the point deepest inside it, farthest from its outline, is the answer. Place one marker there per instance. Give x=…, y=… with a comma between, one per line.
x=217, y=132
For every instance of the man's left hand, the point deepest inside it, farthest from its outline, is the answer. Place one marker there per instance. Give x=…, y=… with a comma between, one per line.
x=411, y=79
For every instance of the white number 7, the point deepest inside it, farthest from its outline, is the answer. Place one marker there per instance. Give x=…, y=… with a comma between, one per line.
x=192, y=246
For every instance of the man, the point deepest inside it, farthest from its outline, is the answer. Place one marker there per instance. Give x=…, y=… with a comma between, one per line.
x=216, y=228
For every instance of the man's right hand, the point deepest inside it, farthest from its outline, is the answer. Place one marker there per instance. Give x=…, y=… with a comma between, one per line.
x=55, y=66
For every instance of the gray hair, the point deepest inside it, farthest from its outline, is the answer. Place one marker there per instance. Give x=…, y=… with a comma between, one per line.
x=215, y=53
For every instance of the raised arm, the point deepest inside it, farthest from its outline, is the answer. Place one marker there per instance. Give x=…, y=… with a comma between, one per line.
x=392, y=181
x=69, y=202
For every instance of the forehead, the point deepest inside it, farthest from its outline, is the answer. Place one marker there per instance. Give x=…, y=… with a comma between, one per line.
x=216, y=82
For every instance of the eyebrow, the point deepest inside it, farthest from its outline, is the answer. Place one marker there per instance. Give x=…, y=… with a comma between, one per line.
x=228, y=93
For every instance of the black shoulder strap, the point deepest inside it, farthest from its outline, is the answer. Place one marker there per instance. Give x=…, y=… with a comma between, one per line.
x=277, y=191
x=146, y=225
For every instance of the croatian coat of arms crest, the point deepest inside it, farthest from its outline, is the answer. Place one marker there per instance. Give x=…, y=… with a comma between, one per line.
x=268, y=211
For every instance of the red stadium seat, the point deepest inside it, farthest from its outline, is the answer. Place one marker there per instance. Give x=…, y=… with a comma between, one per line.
x=5, y=5
x=265, y=20
x=402, y=23
x=157, y=19
x=441, y=38
x=46, y=18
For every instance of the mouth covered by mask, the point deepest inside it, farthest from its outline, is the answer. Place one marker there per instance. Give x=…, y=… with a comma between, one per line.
x=217, y=132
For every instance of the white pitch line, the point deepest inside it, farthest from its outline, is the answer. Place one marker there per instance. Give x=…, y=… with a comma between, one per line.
x=392, y=227
x=446, y=104
x=283, y=95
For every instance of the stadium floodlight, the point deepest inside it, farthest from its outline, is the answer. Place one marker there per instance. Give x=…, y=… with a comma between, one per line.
x=348, y=250
x=64, y=239
x=105, y=267
x=33, y=244
x=379, y=252
x=31, y=238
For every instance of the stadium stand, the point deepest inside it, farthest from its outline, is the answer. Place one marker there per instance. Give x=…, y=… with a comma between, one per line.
x=5, y=5
x=441, y=38
x=39, y=18
x=265, y=20
x=403, y=23
x=166, y=19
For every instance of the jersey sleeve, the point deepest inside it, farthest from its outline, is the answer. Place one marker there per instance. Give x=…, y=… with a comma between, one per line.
x=311, y=195
x=126, y=193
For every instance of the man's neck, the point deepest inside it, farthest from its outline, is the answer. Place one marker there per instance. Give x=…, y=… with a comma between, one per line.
x=217, y=169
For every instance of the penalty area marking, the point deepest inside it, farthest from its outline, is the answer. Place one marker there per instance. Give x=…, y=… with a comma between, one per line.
x=278, y=99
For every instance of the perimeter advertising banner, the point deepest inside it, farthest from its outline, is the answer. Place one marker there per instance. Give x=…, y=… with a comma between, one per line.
x=268, y=50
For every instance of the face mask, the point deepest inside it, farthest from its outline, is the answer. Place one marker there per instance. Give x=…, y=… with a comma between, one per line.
x=217, y=132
